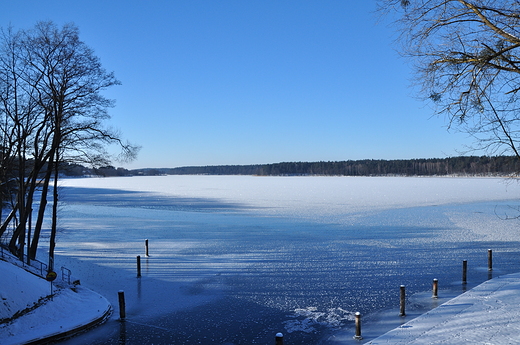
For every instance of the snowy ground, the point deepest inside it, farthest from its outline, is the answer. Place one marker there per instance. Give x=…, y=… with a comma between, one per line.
x=68, y=310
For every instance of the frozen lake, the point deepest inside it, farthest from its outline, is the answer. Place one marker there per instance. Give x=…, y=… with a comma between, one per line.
x=236, y=259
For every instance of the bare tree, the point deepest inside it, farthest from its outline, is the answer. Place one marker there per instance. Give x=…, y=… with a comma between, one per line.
x=20, y=129
x=62, y=82
x=466, y=56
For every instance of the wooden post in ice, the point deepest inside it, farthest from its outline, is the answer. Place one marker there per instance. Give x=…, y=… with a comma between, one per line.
x=402, y=301
x=122, y=308
x=490, y=260
x=279, y=339
x=464, y=271
x=435, y=288
x=146, y=248
x=358, y=326
x=138, y=266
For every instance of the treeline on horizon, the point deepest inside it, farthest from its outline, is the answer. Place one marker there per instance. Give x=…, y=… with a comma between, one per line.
x=463, y=165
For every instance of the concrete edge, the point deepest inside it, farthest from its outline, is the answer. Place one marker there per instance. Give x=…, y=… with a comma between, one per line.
x=76, y=330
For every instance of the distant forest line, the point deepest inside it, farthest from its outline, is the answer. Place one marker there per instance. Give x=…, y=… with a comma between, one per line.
x=463, y=165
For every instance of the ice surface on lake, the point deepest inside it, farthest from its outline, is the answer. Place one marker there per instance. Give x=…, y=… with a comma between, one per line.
x=253, y=256
x=310, y=196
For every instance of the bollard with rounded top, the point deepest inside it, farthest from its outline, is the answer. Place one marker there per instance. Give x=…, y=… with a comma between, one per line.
x=138, y=266
x=435, y=288
x=122, y=308
x=490, y=260
x=279, y=339
x=358, y=326
x=402, y=301
x=146, y=248
x=464, y=271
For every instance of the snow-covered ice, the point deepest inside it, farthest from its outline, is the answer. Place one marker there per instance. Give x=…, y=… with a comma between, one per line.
x=254, y=256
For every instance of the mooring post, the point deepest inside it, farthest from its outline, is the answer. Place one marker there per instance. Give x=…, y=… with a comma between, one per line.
x=279, y=339
x=146, y=248
x=490, y=260
x=402, y=301
x=122, y=308
x=435, y=288
x=138, y=266
x=358, y=326
x=464, y=271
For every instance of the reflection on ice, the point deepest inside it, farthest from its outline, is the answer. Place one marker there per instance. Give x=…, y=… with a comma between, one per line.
x=236, y=259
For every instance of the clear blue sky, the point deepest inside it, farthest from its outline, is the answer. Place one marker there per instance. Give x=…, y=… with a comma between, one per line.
x=252, y=81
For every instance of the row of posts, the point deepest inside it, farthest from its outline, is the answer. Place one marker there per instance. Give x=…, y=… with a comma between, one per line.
x=121, y=293
x=357, y=336
x=435, y=293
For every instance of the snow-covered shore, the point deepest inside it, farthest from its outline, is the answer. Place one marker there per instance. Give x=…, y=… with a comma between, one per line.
x=31, y=315
x=486, y=314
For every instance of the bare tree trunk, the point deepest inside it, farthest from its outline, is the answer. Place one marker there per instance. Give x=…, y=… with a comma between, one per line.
x=8, y=219
x=19, y=233
x=54, y=226
x=41, y=211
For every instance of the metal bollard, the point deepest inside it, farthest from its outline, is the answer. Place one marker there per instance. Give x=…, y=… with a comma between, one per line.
x=490, y=260
x=146, y=248
x=402, y=301
x=464, y=271
x=358, y=327
x=279, y=339
x=122, y=308
x=435, y=288
x=138, y=266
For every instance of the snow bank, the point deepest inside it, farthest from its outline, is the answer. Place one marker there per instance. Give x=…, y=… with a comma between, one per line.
x=19, y=290
x=36, y=316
